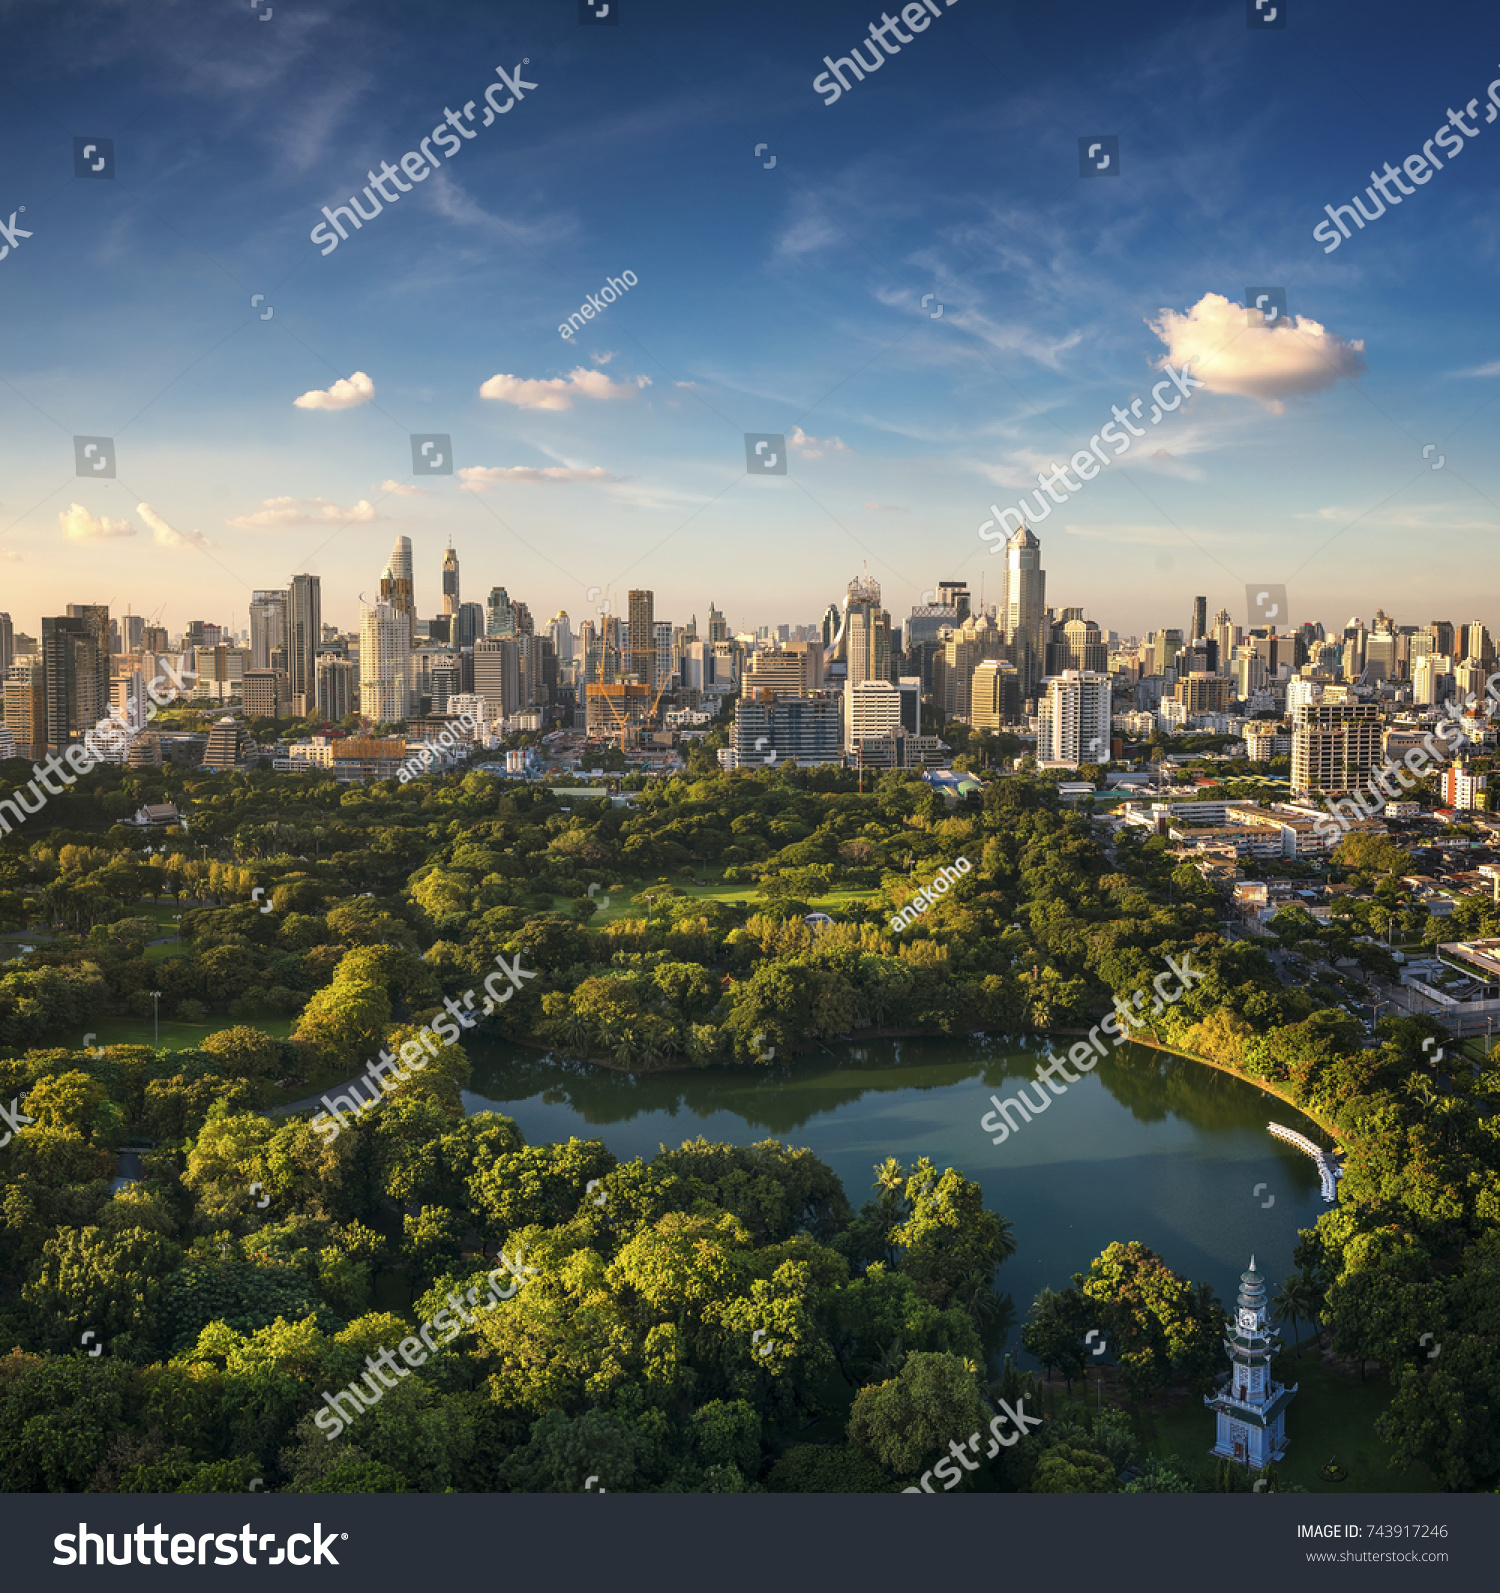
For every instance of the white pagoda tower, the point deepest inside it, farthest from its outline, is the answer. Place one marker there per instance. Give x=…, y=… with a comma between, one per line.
x=1251, y=1409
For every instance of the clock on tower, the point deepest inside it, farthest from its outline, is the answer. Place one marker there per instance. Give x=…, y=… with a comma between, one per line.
x=1251, y=1409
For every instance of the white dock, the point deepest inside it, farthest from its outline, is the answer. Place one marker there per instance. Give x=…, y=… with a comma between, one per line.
x=1329, y=1171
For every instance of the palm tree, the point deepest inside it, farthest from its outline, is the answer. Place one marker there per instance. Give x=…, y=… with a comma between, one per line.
x=1295, y=1299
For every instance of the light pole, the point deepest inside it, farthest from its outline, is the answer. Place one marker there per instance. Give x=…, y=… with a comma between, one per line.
x=156, y=1014
x=178, y=918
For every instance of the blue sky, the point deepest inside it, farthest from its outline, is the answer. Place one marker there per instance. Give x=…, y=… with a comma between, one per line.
x=783, y=300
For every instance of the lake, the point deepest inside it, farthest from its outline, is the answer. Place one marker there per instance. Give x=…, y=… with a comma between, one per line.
x=1148, y=1146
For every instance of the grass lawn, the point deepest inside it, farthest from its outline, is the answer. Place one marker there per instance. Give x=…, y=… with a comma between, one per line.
x=179, y=1036
x=1332, y=1415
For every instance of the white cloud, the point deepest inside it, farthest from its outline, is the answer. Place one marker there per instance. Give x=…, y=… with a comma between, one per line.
x=604, y=358
x=1492, y=369
x=346, y=393
x=78, y=525
x=887, y=508
x=165, y=536
x=306, y=511
x=480, y=478
x=9, y=556
x=814, y=447
x=404, y=489
x=1266, y=363
x=558, y=392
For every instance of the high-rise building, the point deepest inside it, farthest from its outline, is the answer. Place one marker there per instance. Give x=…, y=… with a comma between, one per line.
x=1076, y=643
x=470, y=624
x=1073, y=719
x=398, y=586
x=267, y=628
x=1441, y=632
x=718, y=628
x=1431, y=680
x=1477, y=643
x=1024, y=608
x=1200, y=620
x=26, y=707
x=338, y=688
x=959, y=655
x=867, y=633
x=561, y=631
x=641, y=642
x=1203, y=693
x=72, y=665
x=304, y=637
x=384, y=663
x=451, y=603
x=499, y=619
x=994, y=695
x=94, y=703
x=1335, y=745
x=7, y=643
x=955, y=594
x=666, y=655
x=154, y=639
x=264, y=694
x=769, y=730
x=1225, y=633
x=135, y=625
x=497, y=674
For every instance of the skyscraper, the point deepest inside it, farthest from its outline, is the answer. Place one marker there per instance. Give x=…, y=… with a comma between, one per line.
x=1224, y=637
x=561, y=631
x=397, y=587
x=498, y=618
x=267, y=628
x=70, y=673
x=7, y=643
x=384, y=663
x=867, y=633
x=641, y=637
x=451, y=602
x=470, y=625
x=1024, y=609
x=1200, y=620
x=304, y=636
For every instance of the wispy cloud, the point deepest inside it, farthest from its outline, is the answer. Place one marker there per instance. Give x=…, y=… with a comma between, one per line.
x=404, y=489
x=480, y=478
x=165, y=536
x=306, y=511
x=815, y=447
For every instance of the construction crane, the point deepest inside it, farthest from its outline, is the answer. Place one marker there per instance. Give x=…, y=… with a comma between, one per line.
x=624, y=719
